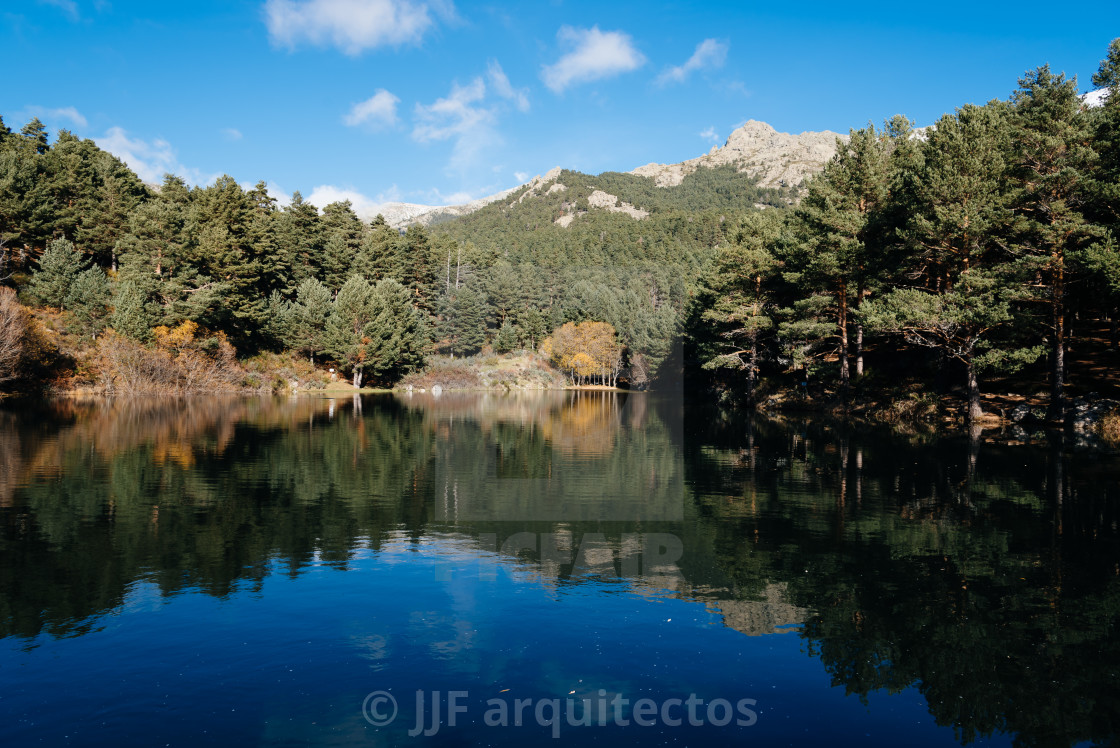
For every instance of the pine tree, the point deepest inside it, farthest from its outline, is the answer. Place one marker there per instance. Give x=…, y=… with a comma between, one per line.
x=307, y=318
x=506, y=339
x=376, y=257
x=395, y=336
x=738, y=301
x=338, y=260
x=89, y=298
x=835, y=248
x=346, y=335
x=300, y=241
x=130, y=317
x=59, y=267
x=1051, y=150
x=464, y=322
x=35, y=136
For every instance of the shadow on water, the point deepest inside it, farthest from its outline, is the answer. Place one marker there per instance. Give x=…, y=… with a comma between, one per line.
x=986, y=576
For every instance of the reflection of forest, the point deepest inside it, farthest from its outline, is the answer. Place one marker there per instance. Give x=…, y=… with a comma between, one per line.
x=988, y=577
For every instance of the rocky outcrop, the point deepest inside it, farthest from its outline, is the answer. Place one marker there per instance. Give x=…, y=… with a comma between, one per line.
x=607, y=201
x=776, y=158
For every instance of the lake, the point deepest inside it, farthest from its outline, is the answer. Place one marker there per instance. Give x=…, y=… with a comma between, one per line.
x=563, y=568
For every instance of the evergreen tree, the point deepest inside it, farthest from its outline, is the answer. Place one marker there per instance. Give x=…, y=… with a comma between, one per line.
x=346, y=329
x=300, y=242
x=737, y=304
x=835, y=248
x=464, y=322
x=338, y=261
x=960, y=323
x=376, y=257
x=1051, y=151
x=130, y=316
x=307, y=317
x=395, y=337
x=35, y=136
x=506, y=339
x=532, y=328
x=89, y=298
x=59, y=267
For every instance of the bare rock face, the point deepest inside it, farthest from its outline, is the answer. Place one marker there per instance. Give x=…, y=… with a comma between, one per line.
x=776, y=158
x=607, y=201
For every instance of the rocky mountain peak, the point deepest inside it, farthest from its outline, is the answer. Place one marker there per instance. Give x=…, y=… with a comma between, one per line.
x=776, y=158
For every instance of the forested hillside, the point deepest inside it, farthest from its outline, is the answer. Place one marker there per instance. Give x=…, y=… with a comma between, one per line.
x=974, y=248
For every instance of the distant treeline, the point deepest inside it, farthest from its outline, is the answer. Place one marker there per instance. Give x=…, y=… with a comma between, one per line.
x=978, y=238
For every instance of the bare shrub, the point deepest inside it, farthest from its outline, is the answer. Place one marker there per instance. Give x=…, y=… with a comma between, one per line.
x=177, y=364
x=14, y=323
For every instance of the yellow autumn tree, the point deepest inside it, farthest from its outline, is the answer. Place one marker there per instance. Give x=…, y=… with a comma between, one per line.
x=587, y=351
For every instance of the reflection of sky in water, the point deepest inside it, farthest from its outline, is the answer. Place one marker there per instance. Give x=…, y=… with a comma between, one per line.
x=292, y=661
x=246, y=571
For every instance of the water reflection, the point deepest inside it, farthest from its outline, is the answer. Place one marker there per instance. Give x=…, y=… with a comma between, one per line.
x=986, y=576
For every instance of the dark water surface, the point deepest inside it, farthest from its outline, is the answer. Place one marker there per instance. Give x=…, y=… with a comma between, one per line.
x=239, y=572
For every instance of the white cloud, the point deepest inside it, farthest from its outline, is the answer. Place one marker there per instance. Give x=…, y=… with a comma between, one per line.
x=454, y=114
x=462, y=117
x=469, y=116
x=231, y=133
x=150, y=160
x=352, y=26
x=66, y=112
x=710, y=134
x=379, y=110
x=595, y=55
x=521, y=176
x=709, y=53
x=325, y=194
x=501, y=85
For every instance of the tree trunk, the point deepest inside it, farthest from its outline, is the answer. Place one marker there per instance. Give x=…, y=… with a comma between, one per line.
x=357, y=377
x=1113, y=340
x=752, y=368
x=1057, y=410
x=859, y=334
x=974, y=409
x=859, y=351
x=843, y=323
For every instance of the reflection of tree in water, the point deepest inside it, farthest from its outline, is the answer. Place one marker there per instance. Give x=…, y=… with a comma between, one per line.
x=256, y=481
x=987, y=579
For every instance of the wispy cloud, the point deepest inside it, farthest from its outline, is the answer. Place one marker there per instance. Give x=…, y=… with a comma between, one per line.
x=352, y=26
x=69, y=7
x=461, y=116
x=379, y=110
x=501, y=85
x=709, y=54
x=231, y=134
x=455, y=114
x=469, y=116
x=594, y=55
x=710, y=134
x=66, y=113
x=149, y=159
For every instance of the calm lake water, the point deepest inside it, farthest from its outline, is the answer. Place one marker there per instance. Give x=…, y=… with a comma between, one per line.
x=559, y=568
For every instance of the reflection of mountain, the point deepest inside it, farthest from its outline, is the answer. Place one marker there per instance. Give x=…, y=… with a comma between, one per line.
x=769, y=615
x=985, y=577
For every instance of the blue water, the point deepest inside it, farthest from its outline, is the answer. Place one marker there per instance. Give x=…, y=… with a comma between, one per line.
x=197, y=595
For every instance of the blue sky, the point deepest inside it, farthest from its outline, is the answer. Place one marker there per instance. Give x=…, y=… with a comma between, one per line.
x=435, y=101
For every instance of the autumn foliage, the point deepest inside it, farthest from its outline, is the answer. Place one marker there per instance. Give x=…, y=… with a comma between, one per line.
x=588, y=351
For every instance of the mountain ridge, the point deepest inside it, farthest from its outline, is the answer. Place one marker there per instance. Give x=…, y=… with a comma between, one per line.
x=777, y=159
